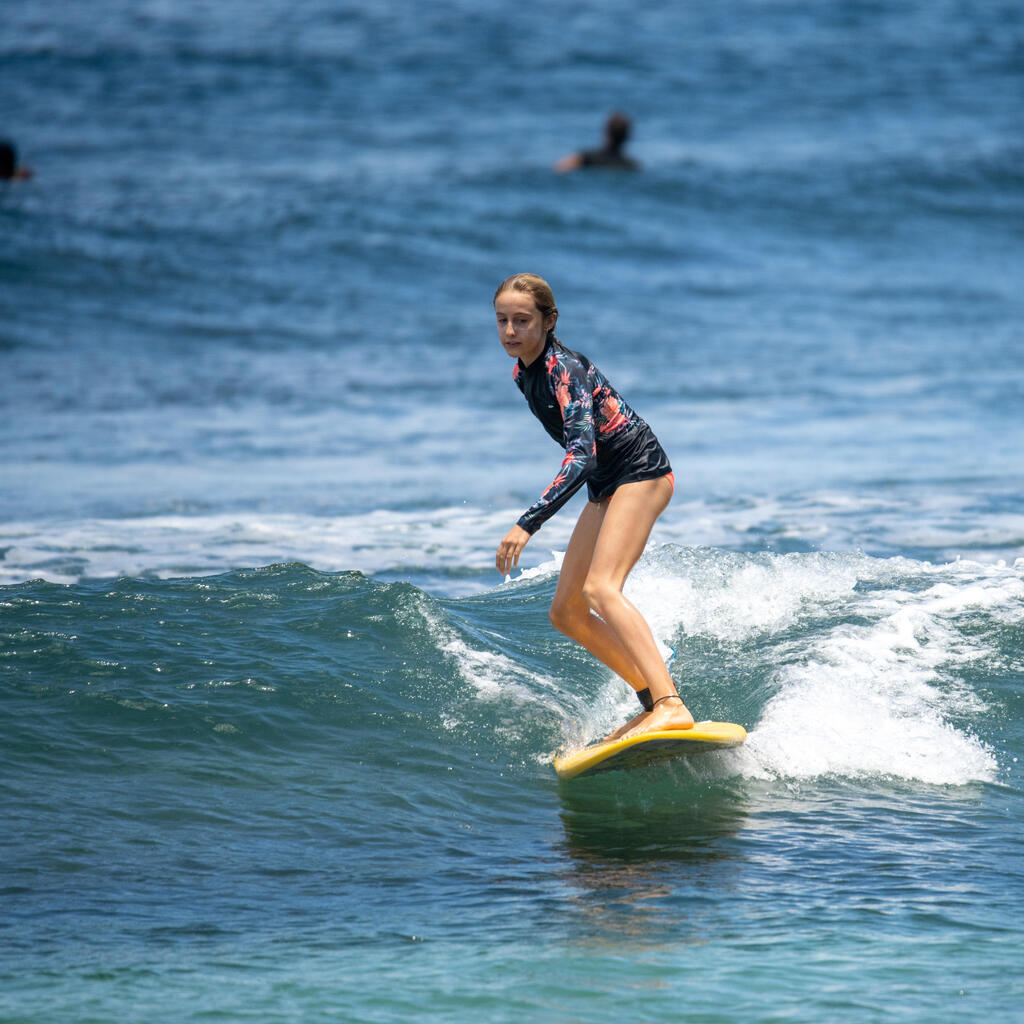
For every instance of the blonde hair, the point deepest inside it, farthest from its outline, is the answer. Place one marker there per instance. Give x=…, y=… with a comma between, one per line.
x=538, y=289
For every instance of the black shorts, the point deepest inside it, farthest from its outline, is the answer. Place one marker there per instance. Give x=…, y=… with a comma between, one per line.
x=638, y=456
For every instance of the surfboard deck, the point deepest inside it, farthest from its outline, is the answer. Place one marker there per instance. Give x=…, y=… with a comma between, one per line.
x=613, y=755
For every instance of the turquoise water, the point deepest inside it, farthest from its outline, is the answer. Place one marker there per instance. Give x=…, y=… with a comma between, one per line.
x=287, y=794
x=278, y=740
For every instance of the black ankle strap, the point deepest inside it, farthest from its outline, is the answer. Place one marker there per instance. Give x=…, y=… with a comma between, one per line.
x=668, y=696
x=646, y=701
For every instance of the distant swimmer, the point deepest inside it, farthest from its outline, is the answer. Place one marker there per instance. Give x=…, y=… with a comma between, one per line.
x=629, y=483
x=9, y=169
x=617, y=130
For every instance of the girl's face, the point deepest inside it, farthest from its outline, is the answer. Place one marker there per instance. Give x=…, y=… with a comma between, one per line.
x=522, y=328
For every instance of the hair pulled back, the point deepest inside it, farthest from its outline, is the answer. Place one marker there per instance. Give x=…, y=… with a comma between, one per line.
x=538, y=289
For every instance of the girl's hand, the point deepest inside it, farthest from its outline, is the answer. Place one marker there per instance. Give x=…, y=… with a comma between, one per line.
x=509, y=549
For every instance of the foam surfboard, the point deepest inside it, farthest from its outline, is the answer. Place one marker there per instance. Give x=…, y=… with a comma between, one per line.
x=637, y=751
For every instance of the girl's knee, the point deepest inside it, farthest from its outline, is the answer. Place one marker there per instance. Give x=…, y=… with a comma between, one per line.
x=597, y=594
x=560, y=616
x=565, y=615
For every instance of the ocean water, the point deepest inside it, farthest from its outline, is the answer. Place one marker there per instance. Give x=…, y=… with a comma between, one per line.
x=277, y=739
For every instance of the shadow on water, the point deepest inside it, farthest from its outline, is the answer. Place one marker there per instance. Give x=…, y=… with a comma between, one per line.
x=647, y=816
x=643, y=848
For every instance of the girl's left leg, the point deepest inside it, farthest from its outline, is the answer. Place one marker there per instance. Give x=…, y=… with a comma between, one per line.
x=624, y=531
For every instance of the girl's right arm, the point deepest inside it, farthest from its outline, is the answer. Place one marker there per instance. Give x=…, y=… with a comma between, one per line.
x=510, y=549
x=576, y=402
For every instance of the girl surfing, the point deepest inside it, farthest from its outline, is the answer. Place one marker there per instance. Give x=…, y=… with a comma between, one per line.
x=629, y=482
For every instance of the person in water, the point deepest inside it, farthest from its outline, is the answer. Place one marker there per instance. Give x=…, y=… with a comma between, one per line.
x=629, y=482
x=9, y=168
x=617, y=130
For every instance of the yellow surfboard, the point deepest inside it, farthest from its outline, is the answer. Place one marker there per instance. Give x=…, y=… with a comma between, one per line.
x=650, y=748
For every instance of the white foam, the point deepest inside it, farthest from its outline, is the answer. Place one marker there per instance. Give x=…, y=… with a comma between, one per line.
x=734, y=597
x=825, y=722
x=863, y=659
x=195, y=545
x=460, y=536
x=945, y=526
x=863, y=656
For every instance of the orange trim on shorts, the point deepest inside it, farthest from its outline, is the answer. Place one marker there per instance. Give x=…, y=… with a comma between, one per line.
x=671, y=478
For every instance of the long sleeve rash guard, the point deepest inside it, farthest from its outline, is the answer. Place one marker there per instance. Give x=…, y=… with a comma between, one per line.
x=582, y=412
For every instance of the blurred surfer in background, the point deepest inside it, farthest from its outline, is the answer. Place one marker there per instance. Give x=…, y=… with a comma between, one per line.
x=9, y=169
x=629, y=483
x=617, y=130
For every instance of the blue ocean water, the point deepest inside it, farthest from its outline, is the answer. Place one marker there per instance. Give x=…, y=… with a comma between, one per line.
x=278, y=740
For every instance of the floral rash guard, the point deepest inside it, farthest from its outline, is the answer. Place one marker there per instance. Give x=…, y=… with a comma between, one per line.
x=606, y=443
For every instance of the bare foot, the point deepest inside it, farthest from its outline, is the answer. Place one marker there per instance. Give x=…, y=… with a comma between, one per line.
x=669, y=713
x=623, y=729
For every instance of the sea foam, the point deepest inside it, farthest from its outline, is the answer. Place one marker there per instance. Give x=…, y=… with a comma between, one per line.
x=866, y=662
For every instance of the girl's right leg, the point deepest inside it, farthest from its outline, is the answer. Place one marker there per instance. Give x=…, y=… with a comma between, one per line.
x=571, y=615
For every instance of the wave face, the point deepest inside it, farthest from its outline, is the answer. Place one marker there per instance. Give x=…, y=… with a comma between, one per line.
x=283, y=772
x=838, y=665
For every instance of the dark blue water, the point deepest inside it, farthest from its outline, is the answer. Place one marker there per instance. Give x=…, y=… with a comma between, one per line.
x=277, y=740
